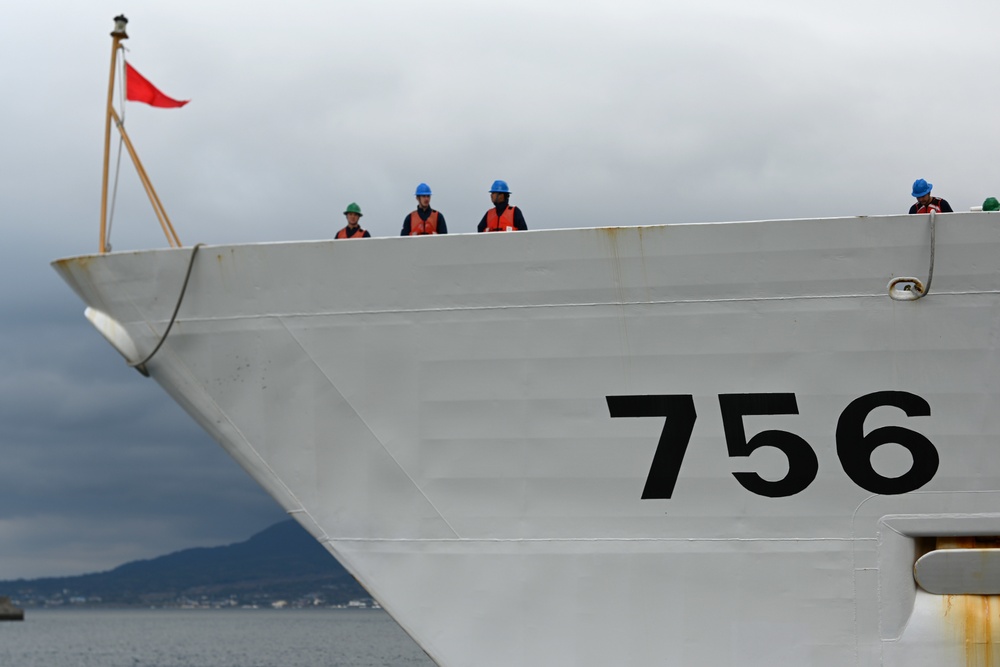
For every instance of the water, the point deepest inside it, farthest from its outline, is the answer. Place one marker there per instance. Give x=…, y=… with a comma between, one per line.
x=207, y=638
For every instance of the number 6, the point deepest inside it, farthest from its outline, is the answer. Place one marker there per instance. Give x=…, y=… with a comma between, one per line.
x=855, y=448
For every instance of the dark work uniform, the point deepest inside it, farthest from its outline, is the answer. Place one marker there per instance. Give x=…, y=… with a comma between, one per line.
x=424, y=213
x=519, y=222
x=937, y=202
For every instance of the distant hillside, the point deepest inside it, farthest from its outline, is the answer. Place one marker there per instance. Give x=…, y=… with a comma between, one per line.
x=282, y=562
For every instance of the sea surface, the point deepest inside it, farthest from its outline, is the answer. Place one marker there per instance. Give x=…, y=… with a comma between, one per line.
x=207, y=638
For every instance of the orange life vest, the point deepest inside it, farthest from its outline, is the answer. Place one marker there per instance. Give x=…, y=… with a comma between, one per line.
x=346, y=233
x=500, y=223
x=933, y=205
x=419, y=226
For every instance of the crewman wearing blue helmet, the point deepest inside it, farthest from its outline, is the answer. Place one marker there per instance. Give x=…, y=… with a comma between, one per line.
x=926, y=203
x=424, y=220
x=502, y=217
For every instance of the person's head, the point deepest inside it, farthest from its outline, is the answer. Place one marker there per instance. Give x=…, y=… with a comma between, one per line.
x=499, y=193
x=991, y=204
x=922, y=191
x=353, y=214
x=423, y=195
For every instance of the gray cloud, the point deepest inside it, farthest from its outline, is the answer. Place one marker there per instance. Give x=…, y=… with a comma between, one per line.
x=635, y=112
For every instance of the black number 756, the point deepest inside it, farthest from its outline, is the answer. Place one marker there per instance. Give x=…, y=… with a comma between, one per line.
x=854, y=447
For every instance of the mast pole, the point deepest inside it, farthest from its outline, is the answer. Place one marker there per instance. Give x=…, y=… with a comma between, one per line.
x=154, y=199
x=117, y=35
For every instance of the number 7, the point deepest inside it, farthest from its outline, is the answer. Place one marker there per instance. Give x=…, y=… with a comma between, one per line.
x=680, y=414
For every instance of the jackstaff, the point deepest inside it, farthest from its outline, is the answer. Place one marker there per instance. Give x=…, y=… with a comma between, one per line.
x=137, y=89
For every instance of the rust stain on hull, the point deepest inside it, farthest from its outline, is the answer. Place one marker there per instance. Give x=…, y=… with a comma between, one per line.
x=975, y=619
x=613, y=236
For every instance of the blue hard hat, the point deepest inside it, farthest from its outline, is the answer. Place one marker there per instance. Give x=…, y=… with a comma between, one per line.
x=921, y=187
x=423, y=189
x=500, y=186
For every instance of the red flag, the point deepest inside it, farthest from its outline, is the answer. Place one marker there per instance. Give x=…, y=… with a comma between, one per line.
x=139, y=89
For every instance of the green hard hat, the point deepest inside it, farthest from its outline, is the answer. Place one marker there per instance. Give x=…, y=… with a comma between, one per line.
x=353, y=208
x=991, y=204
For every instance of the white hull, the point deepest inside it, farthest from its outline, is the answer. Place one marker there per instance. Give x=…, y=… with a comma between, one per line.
x=435, y=410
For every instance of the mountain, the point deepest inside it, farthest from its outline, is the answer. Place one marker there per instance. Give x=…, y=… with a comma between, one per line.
x=282, y=562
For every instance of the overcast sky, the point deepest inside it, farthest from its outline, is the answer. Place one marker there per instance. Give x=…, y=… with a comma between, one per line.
x=627, y=112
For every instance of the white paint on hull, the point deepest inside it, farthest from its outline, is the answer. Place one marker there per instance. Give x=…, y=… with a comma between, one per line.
x=434, y=411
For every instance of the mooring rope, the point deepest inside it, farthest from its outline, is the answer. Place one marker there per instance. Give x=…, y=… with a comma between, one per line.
x=930, y=271
x=914, y=288
x=141, y=365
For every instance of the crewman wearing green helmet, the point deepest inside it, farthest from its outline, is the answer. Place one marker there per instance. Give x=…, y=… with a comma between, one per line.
x=353, y=229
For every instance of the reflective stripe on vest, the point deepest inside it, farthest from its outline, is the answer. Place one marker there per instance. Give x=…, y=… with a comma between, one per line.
x=502, y=223
x=932, y=205
x=418, y=226
x=343, y=233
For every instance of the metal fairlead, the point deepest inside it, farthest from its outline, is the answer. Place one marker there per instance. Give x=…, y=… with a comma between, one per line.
x=906, y=288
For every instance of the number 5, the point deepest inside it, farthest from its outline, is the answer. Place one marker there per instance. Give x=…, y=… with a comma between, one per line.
x=802, y=462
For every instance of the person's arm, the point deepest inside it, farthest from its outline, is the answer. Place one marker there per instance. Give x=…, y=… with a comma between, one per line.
x=406, y=226
x=519, y=222
x=482, y=224
x=946, y=207
x=913, y=209
x=366, y=235
x=442, y=227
